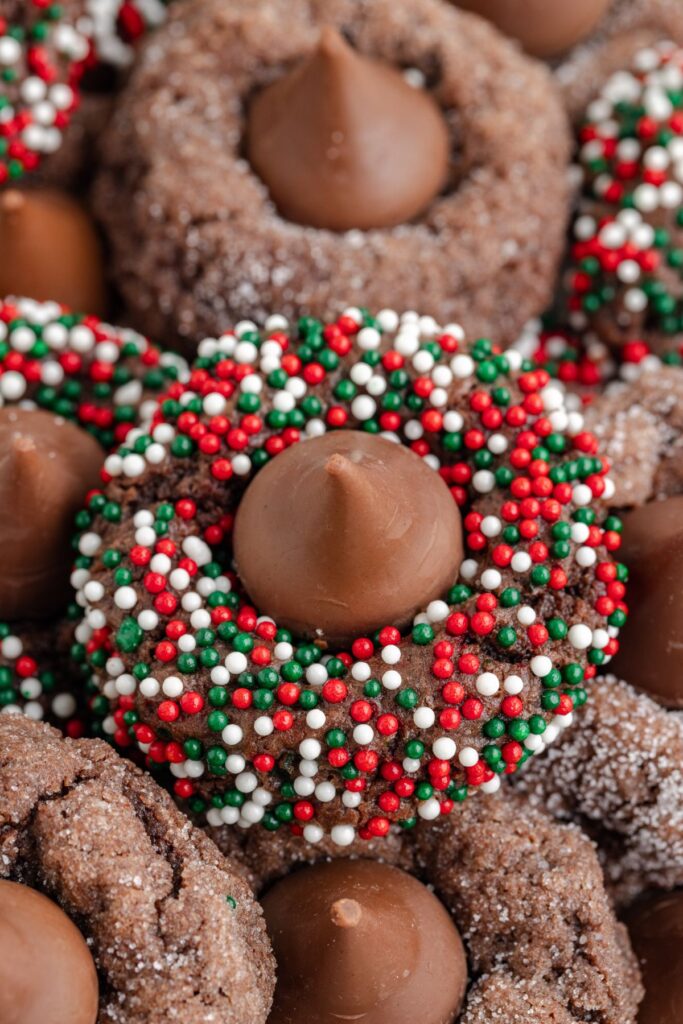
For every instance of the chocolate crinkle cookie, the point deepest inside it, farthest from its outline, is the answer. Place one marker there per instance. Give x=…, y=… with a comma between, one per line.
x=210, y=223
x=527, y=897
x=640, y=427
x=621, y=777
x=174, y=930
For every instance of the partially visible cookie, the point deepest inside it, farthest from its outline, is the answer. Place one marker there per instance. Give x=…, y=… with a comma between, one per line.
x=621, y=777
x=527, y=897
x=175, y=931
x=640, y=427
x=629, y=26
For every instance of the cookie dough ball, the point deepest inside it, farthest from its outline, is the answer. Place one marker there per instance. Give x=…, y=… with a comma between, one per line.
x=46, y=969
x=361, y=940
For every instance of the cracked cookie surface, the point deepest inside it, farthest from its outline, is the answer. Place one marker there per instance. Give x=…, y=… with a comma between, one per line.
x=174, y=929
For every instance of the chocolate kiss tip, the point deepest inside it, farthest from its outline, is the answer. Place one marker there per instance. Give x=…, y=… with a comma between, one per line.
x=346, y=913
x=12, y=201
x=25, y=459
x=332, y=42
x=338, y=465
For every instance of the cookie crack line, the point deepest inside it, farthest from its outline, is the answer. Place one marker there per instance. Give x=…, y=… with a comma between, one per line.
x=156, y=899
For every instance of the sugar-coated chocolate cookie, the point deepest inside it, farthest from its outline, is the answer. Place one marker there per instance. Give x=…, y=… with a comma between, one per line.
x=621, y=777
x=173, y=928
x=201, y=243
x=640, y=426
x=526, y=894
x=340, y=722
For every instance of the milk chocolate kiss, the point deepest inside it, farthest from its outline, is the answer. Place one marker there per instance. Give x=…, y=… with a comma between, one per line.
x=655, y=925
x=346, y=533
x=47, y=465
x=361, y=941
x=47, y=975
x=651, y=643
x=343, y=141
x=50, y=250
x=545, y=28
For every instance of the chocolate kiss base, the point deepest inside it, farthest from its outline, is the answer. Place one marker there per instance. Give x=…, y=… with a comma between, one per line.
x=655, y=925
x=345, y=142
x=47, y=466
x=361, y=941
x=651, y=643
x=47, y=975
x=545, y=28
x=346, y=533
x=50, y=250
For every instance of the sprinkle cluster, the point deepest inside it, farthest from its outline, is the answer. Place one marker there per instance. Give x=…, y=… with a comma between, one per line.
x=115, y=26
x=29, y=685
x=258, y=728
x=42, y=59
x=78, y=367
x=627, y=276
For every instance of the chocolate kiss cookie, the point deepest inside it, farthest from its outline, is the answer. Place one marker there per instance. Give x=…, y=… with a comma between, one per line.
x=359, y=940
x=655, y=925
x=345, y=533
x=174, y=930
x=651, y=648
x=345, y=142
x=50, y=250
x=261, y=729
x=478, y=246
x=526, y=894
x=545, y=28
x=46, y=970
x=47, y=466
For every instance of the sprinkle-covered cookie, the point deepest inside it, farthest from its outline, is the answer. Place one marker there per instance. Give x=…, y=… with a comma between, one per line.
x=43, y=56
x=59, y=372
x=627, y=277
x=103, y=378
x=263, y=727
